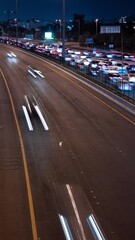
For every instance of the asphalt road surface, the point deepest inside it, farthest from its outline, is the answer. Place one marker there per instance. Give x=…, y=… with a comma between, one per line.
x=77, y=159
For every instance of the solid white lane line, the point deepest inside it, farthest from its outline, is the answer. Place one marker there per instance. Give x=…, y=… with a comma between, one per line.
x=41, y=118
x=27, y=118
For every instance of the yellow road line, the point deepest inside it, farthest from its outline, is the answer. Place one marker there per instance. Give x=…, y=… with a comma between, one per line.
x=93, y=95
x=30, y=200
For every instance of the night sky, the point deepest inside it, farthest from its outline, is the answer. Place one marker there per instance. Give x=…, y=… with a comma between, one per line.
x=52, y=9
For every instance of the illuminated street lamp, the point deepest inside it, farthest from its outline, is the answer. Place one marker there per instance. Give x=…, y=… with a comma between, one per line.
x=8, y=12
x=96, y=21
x=60, y=27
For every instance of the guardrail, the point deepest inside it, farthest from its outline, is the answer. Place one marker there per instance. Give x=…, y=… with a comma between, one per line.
x=126, y=94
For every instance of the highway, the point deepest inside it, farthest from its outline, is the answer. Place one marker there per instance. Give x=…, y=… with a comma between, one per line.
x=75, y=160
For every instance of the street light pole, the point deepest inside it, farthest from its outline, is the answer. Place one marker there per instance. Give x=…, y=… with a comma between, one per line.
x=60, y=28
x=8, y=14
x=78, y=20
x=96, y=26
x=133, y=37
x=17, y=22
x=2, y=31
x=122, y=48
x=63, y=31
x=59, y=22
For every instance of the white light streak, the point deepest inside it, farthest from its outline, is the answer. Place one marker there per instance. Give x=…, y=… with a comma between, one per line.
x=41, y=117
x=95, y=228
x=27, y=118
x=28, y=104
x=32, y=73
x=39, y=73
x=65, y=228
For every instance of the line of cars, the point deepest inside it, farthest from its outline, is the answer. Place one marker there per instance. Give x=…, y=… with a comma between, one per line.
x=120, y=75
x=113, y=72
x=109, y=67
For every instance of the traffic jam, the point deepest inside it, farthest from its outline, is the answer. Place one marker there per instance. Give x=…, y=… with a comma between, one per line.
x=113, y=69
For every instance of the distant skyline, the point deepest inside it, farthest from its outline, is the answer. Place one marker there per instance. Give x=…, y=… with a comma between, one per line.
x=50, y=10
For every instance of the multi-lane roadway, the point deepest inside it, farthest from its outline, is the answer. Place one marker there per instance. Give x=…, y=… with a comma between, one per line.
x=67, y=155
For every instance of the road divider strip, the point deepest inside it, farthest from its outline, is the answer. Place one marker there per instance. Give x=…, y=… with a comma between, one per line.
x=27, y=118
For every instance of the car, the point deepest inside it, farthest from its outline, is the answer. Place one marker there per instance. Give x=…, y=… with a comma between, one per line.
x=86, y=62
x=110, y=69
x=80, y=66
x=116, y=55
x=127, y=57
x=94, y=71
x=112, y=78
x=126, y=65
x=131, y=77
x=72, y=63
x=68, y=57
x=132, y=57
x=102, y=66
x=78, y=60
x=11, y=54
x=131, y=67
x=123, y=86
x=98, y=54
x=119, y=65
x=94, y=63
x=123, y=71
